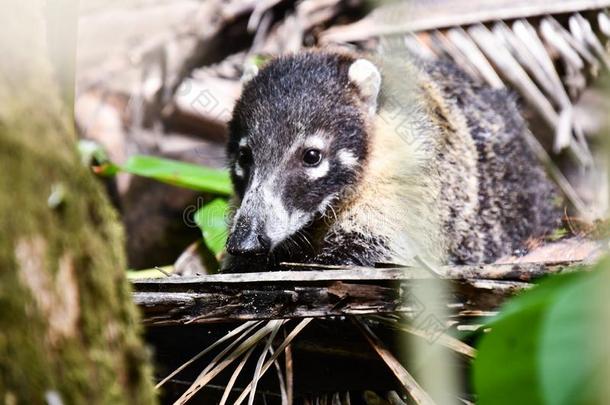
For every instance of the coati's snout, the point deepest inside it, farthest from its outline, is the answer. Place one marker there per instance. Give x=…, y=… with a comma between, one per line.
x=248, y=238
x=265, y=217
x=278, y=200
x=298, y=141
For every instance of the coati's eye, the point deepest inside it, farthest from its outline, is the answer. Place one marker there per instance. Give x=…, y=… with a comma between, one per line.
x=312, y=157
x=244, y=157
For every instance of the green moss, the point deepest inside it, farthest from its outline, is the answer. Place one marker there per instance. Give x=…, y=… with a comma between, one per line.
x=104, y=361
x=87, y=350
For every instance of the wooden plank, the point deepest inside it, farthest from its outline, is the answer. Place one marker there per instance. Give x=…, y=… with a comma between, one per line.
x=321, y=293
x=239, y=302
x=505, y=272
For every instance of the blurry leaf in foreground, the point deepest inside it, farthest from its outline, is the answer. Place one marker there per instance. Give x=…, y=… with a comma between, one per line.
x=211, y=219
x=546, y=345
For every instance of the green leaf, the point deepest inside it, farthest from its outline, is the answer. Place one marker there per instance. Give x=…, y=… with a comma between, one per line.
x=568, y=358
x=212, y=220
x=181, y=174
x=108, y=169
x=542, y=348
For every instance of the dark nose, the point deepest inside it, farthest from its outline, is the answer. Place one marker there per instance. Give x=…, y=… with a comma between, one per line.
x=247, y=240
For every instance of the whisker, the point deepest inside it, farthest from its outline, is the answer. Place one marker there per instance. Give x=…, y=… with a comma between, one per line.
x=333, y=210
x=295, y=243
x=304, y=238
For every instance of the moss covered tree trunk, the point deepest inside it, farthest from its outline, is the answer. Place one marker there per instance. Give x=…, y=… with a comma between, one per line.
x=68, y=330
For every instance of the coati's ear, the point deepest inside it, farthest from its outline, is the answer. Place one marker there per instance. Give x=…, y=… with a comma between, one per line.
x=250, y=72
x=367, y=78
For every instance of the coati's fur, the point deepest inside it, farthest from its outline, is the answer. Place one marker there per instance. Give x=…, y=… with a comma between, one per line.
x=430, y=163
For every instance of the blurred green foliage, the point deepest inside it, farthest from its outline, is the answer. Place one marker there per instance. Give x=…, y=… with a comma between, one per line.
x=188, y=175
x=210, y=218
x=546, y=346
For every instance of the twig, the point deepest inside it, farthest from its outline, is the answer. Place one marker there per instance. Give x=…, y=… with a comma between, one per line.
x=231, y=383
x=415, y=391
x=289, y=373
x=248, y=325
x=162, y=271
x=281, y=382
x=206, y=377
x=275, y=324
x=442, y=338
x=275, y=355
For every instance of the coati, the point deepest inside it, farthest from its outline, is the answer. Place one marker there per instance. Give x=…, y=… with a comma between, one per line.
x=341, y=159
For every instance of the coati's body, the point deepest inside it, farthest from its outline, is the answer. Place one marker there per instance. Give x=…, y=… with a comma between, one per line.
x=418, y=160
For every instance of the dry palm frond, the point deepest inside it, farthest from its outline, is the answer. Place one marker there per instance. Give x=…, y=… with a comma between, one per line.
x=245, y=328
x=394, y=399
x=259, y=364
x=231, y=383
x=375, y=294
x=289, y=374
x=415, y=391
x=282, y=383
x=227, y=356
x=440, y=338
x=226, y=350
x=214, y=368
x=528, y=30
x=547, y=51
x=275, y=355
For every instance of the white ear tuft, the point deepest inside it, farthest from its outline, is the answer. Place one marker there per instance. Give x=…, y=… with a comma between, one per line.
x=250, y=71
x=366, y=76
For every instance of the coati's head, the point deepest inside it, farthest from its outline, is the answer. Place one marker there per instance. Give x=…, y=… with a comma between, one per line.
x=298, y=142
